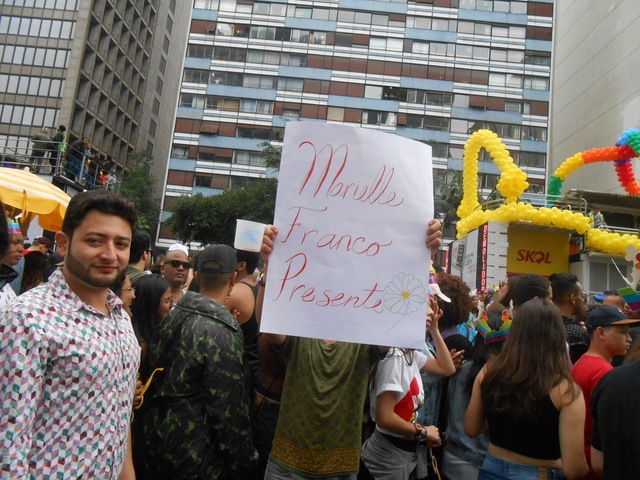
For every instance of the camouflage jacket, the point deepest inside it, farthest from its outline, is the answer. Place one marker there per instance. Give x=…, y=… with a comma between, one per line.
x=194, y=421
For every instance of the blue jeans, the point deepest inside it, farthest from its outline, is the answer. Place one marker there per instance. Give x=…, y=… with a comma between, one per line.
x=495, y=469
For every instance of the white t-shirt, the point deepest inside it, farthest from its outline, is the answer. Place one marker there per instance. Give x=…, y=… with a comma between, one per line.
x=395, y=375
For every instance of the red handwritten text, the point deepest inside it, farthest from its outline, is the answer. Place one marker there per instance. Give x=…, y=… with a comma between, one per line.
x=357, y=245
x=309, y=294
x=371, y=194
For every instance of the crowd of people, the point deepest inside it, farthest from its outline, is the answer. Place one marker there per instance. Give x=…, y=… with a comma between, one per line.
x=77, y=161
x=116, y=366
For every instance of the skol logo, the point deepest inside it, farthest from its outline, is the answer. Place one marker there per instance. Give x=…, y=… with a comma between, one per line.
x=533, y=256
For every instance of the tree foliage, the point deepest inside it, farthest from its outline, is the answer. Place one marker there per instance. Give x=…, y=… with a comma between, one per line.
x=138, y=187
x=212, y=219
x=274, y=154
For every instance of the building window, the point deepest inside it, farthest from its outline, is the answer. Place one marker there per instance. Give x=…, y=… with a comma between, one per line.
x=165, y=44
x=156, y=106
x=163, y=65
x=169, y=25
x=152, y=128
x=159, y=85
x=172, y=6
x=180, y=152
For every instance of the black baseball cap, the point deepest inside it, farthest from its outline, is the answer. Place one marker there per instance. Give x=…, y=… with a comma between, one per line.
x=606, y=316
x=223, y=255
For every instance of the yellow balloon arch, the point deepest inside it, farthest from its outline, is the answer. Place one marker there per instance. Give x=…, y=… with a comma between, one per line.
x=512, y=184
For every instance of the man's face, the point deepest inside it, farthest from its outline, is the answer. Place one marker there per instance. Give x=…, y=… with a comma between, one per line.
x=580, y=310
x=617, y=339
x=98, y=252
x=14, y=250
x=176, y=268
x=615, y=301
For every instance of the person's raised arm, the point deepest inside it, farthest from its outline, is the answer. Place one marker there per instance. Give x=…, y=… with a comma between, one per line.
x=474, y=421
x=572, y=415
x=442, y=364
x=270, y=233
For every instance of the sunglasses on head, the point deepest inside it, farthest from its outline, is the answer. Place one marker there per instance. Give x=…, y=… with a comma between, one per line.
x=178, y=264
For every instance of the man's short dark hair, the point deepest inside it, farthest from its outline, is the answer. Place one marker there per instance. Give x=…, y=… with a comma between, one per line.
x=528, y=287
x=251, y=258
x=563, y=284
x=102, y=201
x=213, y=281
x=140, y=243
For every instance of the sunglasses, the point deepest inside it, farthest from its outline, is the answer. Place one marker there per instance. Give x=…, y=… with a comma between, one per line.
x=178, y=264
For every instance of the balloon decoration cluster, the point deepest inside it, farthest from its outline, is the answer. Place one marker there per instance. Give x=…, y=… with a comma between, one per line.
x=513, y=182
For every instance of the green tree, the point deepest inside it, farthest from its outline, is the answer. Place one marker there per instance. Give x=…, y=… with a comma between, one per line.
x=448, y=196
x=212, y=219
x=274, y=154
x=138, y=187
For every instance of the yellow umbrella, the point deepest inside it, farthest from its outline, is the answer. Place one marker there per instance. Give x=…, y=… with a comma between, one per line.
x=34, y=196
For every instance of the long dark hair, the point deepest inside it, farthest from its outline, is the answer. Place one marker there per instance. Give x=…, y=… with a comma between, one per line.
x=35, y=264
x=533, y=361
x=149, y=291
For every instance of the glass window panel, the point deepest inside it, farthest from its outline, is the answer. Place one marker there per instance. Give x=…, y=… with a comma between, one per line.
x=8, y=54
x=264, y=107
x=4, y=24
x=61, y=59
x=278, y=9
x=376, y=43
x=346, y=16
x=438, y=48
x=460, y=100
x=465, y=27
x=501, y=6
x=515, y=56
x=17, y=115
x=380, y=19
x=227, y=5
x=4, y=80
x=34, y=29
x=50, y=57
x=7, y=110
x=320, y=38
x=29, y=54
x=12, y=86
x=497, y=79
x=231, y=105
x=267, y=82
x=335, y=114
x=321, y=13
x=440, y=24
x=67, y=30
x=481, y=53
x=395, y=44
x=470, y=4
x=363, y=17
x=517, y=32
x=271, y=58
x=419, y=47
x=485, y=5
x=482, y=29
x=46, y=28
x=18, y=54
x=498, y=55
x=303, y=12
x=247, y=7
x=519, y=7
x=27, y=117
x=252, y=81
x=514, y=81
x=23, y=85
x=373, y=91
x=24, y=26
x=500, y=31
x=38, y=60
x=464, y=51
x=225, y=29
x=56, y=27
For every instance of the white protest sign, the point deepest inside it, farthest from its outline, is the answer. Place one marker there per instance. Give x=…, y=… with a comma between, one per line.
x=349, y=262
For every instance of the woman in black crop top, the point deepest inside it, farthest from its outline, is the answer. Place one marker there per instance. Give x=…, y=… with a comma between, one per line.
x=534, y=411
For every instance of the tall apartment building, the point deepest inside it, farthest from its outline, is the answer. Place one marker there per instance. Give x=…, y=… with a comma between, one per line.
x=103, y=68
x=596, y=94
x=431, y=70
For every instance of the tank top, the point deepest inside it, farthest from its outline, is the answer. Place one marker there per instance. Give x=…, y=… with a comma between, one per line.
x=534, y=436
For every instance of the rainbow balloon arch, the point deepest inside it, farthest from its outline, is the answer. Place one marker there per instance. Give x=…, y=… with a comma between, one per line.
x=513, y=183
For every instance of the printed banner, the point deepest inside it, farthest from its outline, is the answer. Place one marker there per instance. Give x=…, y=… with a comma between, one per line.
x=350, y=261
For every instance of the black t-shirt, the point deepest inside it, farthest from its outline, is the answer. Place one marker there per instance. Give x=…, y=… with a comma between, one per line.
x=616, y=424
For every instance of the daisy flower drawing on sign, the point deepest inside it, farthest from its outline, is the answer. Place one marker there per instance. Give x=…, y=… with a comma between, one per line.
x=404, y=294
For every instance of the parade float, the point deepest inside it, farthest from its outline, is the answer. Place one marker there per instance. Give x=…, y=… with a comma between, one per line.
x=540, y=233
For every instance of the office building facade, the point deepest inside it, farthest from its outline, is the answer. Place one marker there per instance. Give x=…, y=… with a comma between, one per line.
x=102, y=68
x=432, y=70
